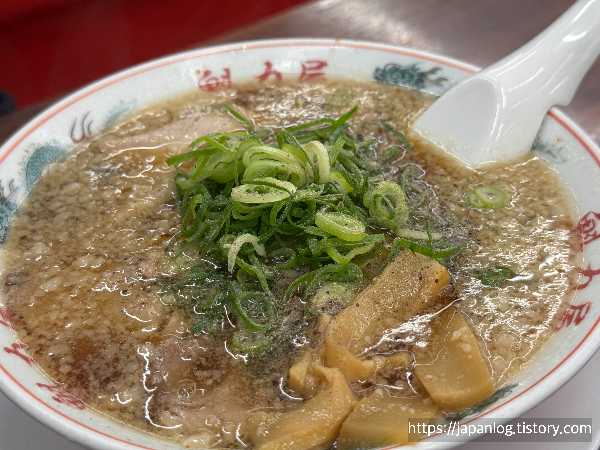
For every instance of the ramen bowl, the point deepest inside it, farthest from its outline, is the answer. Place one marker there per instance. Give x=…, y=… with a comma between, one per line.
x=26, y=156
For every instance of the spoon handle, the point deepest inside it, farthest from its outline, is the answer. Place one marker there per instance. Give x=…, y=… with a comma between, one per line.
x=548, y=69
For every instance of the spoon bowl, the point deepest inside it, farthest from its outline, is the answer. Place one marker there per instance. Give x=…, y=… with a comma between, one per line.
x=495, y=114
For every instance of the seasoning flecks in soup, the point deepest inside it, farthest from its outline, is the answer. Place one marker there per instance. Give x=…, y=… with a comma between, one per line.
x=297, y=273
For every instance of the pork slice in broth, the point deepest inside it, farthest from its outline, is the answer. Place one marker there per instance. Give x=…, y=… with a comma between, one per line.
x=181, y=131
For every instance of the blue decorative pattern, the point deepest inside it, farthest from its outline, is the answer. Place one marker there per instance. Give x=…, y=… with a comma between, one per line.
x=39, y=160
x=117, y=111
x=7, y=207
x=550, y=152
x=478, y=408
x=410, y=76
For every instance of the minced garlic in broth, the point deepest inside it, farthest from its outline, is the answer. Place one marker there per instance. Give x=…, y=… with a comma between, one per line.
x=87, y=254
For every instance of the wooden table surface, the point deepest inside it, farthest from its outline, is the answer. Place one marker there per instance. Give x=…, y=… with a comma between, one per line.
x=476, y=31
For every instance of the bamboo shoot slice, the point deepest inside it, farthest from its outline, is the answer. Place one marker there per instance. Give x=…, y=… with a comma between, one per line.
x=353, y=368
x=299, y=371
x=405, y=288
x=453, y=371
x=399, y=360
x=316, y=422
x=380, y=421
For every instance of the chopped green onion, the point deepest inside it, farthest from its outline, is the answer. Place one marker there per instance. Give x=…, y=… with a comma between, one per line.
x=340, y=182
x=308, y=125
x=191, y=211
x=426, y=251
x=237, y=116
x=340, y=258
x=284, y=264
x=259, y=169
x=398, y=134
x=215, y=143
x=342, y=120
x=251, y=342
x=215, y=227
x=419, y=235
x=317, y=231
x=237, y=245
x=387, y=200
x=487, y=197
x=178, y=159
x=309, y=192
x=210, y=312
x=277, y=223
x=337, y=147
x=341, y=225
x=261, y=152
x=340, y=273
x=391, y=153
x=496, y=276
x=319, y=158
x=244, y=224
x=283, y=138
x=355, y=177
x=339, y=98
x=254, y=270
x=262, y=190
x=219, y=137
x=298, y=283
x=317, y=246
x=255, y=309
x=299, y=153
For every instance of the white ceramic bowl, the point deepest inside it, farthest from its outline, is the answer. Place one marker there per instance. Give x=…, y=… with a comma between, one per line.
x=26, y=155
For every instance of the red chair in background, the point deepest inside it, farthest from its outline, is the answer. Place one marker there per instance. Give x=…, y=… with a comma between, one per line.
x=51, y=47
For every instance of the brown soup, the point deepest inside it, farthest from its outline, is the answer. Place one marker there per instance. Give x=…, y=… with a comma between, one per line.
x=108, y=299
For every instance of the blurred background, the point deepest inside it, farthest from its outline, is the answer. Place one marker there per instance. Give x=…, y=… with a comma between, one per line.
x=49, y=48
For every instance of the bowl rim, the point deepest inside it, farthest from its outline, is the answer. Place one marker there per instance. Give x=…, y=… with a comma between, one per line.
x=80, y=433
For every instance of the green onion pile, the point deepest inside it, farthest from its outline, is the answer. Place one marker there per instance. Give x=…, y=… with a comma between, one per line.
x=305, y=201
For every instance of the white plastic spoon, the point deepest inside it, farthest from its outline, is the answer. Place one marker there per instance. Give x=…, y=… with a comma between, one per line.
x=495, y=114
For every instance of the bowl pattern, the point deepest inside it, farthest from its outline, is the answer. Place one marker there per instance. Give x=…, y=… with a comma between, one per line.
x=27, y=155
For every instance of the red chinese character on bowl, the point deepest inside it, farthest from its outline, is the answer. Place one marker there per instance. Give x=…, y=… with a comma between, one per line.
x=313, y=69
x=5, y=318
x=574, y=314
x=268, y=72
x=61, y=396
x=15, y=349
x=589, y=273
x=588, y=227
x=207, y=81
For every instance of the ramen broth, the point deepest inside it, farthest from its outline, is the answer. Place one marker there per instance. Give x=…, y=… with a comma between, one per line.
x=89, y=264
